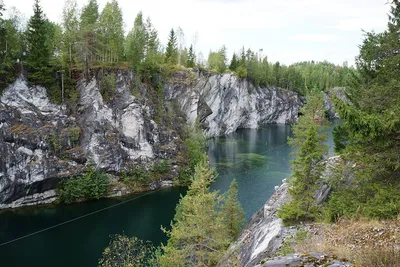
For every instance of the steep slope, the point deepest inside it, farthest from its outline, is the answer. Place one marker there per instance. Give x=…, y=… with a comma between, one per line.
x=41, y=143
x=225, y=103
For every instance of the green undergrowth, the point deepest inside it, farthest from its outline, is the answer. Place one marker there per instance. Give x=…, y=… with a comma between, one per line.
x=93, y=184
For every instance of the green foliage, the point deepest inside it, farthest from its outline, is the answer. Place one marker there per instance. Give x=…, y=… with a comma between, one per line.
x=111, y=29
x=241, y=72
x=126, y=251
x=92, y=185
x=306, y=166
x=171, y=53
x=217, y=60
x=299, y=77
x=232, y=212
x=89, y=36
x=39, y=32
x=371, y=201
x=191, y=59
x=340, y=138
x=161, y=167
x=198, y=236
x=138, y=174
x=194, y=148
x=107, y=86
x=372, y=124
x=135, y=43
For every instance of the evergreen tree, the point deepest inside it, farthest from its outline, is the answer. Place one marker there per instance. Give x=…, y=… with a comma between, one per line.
x=372, y=123
x=306, y=166
x=198, y=236
x=89, y=35
x=191, y=60
x=111, y=32
x=232, y=212
x=38, y=46
x=234, y=63
x=136, y=42
x=152, y=42
x=171, y=54
x=12, y=46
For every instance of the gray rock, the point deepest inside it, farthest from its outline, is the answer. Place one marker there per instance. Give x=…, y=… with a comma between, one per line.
x=225, y=103
x=305, y=260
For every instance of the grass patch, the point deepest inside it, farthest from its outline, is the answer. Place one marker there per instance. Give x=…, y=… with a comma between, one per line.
x=364, y=242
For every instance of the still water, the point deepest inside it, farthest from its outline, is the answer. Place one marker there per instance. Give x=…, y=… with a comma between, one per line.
x=258, y=159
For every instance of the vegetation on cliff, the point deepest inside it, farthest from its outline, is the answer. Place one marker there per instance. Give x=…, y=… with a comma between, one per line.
x=92, y=38
x=307, y=168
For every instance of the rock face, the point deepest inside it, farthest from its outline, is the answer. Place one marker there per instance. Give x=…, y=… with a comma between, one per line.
x=225, y=103
x=264, y=235
x=42, y=143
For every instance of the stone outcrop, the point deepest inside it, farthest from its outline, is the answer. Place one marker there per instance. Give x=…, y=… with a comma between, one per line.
x=262, y=239
x=224, y=103
x=42, y=143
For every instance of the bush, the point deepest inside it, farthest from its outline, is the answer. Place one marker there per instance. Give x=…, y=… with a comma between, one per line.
x=291, y=214
x=241, y=72
x=376, y=201
x=93, y=185
x=138, y=174
x=194, y=148
x=128, y=252
x=161, y=167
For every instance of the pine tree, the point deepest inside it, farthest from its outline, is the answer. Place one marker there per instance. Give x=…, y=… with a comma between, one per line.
x=372, y=122
x=171, y=53
x=89, y=35
x=136, y=42
x=191, y=60
x=198, y=236
x=232, y=212
x=234, y=63
x=39, y=51
x=307, y=170
x=111, y=32
x=152, y=42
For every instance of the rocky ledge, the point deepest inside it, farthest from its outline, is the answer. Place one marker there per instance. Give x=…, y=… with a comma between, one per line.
x=261, y=241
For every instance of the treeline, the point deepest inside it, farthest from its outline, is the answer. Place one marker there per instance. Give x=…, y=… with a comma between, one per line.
x=300, y=77
x=90, y=37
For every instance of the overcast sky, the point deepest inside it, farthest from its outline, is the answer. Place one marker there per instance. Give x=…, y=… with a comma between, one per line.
x=286, y=30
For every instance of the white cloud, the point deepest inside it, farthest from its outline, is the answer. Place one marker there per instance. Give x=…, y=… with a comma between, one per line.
x=356, y=24
x=315, y=37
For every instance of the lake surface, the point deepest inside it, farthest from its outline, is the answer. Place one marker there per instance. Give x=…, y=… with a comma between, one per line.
x=258, y=159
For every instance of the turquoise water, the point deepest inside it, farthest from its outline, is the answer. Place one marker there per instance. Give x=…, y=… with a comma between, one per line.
x=258, y=159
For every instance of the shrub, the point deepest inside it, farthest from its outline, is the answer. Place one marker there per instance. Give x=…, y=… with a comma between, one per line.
x=138, y=174
x=126, y=252
x=241, y=72
x=92, y=185
x=161, y=167
x=377, y=201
